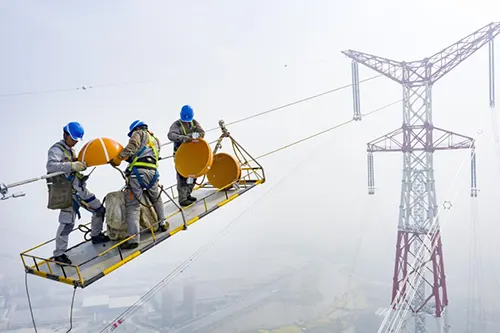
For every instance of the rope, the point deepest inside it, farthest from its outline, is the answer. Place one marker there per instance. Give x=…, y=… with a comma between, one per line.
x=281, y=107
x=31, y=308
x=86, y=231
x=179, y=269
x=71, y=311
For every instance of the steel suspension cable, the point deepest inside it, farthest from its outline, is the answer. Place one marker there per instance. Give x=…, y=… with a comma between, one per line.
x=282, y=107
x=179, y=269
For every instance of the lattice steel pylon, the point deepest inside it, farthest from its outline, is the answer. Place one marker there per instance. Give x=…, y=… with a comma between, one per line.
x=419, y=247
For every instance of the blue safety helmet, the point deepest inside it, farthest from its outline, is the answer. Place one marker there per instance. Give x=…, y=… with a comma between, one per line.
x=75, y=130
x=134, y=125
x=187, y=113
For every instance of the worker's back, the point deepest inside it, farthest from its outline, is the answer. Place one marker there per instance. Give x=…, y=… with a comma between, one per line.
x=146, y=152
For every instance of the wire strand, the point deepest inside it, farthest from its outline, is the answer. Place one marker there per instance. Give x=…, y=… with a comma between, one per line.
x=102, y=85
x=284, y=106
x=325, y=131
x=83, y=87
x=313, y=135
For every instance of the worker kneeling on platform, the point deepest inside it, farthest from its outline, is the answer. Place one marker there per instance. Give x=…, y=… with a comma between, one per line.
x=68, y=192
x=142, y=153
x=184, y=130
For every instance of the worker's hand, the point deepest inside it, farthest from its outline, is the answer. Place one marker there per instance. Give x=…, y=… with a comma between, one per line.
x=78, y=166
x=195, y=135
x=116, y=161
x=185, y=138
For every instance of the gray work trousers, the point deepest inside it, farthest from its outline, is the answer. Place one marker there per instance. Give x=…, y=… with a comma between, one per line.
x=132, y=205
x=67, y=217
x=183, y=188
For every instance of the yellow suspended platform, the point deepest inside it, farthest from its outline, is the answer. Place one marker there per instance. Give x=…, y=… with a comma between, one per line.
x=91, y=262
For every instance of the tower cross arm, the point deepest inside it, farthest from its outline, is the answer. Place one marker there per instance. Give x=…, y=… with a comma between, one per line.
x=450, y=57
x=420, y=138
x=387, y=67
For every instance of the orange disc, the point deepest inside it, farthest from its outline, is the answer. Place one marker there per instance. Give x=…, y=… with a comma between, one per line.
x=224, y=171
x=193, y=159
x=99, y=151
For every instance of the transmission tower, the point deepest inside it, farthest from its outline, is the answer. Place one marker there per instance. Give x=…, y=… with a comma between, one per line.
x=416, y=293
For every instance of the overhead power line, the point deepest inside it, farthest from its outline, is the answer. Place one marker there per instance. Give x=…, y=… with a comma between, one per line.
x=327, y=130
x=283, y=106
x=83, y=88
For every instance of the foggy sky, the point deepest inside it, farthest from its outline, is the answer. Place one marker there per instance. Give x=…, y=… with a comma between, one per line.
x=227, y=59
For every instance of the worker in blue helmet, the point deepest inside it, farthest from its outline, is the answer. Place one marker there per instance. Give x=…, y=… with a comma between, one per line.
x=142, y=153
x=68, y=192
x=184, y=130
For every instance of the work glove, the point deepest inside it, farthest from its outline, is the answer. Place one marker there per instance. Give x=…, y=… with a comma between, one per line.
x=78, y=166
x=116, y=161
x=195, y=135
x=185, y=138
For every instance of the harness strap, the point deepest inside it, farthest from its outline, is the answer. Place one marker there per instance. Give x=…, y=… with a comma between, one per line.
x=141, y=181
x=77, y=199
x=72, y=158
x=176, y=144
x=136, y=163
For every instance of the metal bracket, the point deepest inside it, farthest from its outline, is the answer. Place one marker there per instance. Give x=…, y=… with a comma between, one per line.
x=4, y=190
x=225, y=134
x=222, y=125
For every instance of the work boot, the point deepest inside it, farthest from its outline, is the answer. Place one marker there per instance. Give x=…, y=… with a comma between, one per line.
x=163, y=227
x=190, y=197
x=101, y=238
x=185, y=202
x=63, y=258
x=129, y=246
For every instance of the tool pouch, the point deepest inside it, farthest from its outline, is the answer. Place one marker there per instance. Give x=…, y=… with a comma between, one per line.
x=60, y=192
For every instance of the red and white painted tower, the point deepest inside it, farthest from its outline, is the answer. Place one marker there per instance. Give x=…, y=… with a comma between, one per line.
x=419, y=283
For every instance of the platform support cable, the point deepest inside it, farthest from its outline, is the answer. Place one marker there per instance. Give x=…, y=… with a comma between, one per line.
x=29, y=301
x=180, y=269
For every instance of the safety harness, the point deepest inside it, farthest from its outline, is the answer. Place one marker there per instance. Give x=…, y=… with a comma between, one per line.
x=77, y=199
x=138, y=163
x=177, y=145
